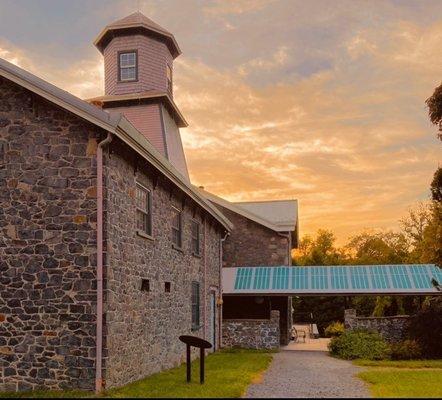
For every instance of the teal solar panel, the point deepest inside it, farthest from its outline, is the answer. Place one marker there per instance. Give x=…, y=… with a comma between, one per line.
x=319, y=278
x=351, y=279
x=243, y=278
x=399, y=277
x=281, y=278
x=436, y=273
x=379, y=276
x=420, y=277
x=339, y=277
x=300, y=278
x=262, y=278
x=359, y=277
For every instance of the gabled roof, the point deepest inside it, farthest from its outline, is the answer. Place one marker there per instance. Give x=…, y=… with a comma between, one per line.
x=277, y=215
x=115, y=123
x=146, y=95
x=282, y=213
x=132, y=23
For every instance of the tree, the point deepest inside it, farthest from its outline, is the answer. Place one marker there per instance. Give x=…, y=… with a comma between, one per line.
x=434, y=104
x=436, y=186
x=319, y=251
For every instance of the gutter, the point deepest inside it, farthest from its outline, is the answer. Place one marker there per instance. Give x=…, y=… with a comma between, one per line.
x=99, y=338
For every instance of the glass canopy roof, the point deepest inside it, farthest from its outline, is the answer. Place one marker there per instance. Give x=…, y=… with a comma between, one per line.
x=321, y=280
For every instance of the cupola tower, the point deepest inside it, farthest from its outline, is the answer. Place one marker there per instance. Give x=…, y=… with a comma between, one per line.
x=138, y=80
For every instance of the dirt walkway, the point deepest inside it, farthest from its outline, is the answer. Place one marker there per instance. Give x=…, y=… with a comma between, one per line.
x=311, y=374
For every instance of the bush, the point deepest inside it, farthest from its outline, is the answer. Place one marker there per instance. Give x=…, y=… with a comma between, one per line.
x=359, y=344
x=334, y=329
x=406, y=350
x=426, y=328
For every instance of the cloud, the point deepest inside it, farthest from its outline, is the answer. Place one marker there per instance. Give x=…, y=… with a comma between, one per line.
x=320, y=101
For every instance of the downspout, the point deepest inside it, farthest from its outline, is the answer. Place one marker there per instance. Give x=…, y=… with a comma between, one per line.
x=220, y=313
x=289, y=250
x=205, y=279
x=99, y=339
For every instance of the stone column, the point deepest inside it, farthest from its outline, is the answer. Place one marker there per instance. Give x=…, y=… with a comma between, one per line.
x=350, y=318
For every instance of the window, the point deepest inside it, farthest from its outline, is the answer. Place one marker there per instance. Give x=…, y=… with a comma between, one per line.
x=195, y=237
x=195, y=298
x=169, y=77
x=177, y=228
x=145, y=285
x=127, y=65
x=167, y=287
x=144, y=209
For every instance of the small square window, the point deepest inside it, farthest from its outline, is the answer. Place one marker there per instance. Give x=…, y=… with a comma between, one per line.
x=128, y=66
x=177, y=227
x=167, y=287
x=145, y=285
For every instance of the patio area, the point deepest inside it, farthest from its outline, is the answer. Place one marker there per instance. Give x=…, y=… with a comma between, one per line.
x=310, y=343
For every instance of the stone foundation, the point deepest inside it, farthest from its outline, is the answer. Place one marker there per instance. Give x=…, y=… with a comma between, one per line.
x=392, y=329
x=252, y=333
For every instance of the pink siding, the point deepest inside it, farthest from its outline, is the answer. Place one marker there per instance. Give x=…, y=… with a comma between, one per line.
x=147, y=119
x=153, y=56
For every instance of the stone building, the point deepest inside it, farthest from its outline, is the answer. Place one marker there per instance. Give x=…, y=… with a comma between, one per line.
x=263, y=234
x=107, y=252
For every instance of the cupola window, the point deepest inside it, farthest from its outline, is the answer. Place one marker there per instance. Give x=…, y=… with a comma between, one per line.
x=169, y=78
x=127, y=65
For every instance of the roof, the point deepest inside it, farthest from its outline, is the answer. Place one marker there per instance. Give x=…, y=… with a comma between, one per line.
x=146, y=95
x=277, y=215
x=282, y=213
x=115, y=123
x=133, y=22
x=333, y=280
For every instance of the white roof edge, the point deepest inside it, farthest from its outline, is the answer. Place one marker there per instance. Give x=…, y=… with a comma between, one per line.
x=247, y=214
x=115, y=123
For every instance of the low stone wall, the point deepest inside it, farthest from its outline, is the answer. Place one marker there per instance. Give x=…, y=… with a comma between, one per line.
x=392, y=329
x=252, y=333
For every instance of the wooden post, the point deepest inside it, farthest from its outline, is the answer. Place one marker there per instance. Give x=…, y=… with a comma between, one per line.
x=202, y=351
x=188, y=363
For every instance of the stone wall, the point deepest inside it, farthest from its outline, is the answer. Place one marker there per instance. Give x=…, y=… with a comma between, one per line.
x=252, y=333
x=252, y=244
x=392, y=329
x=47, y=244
x=143, y=327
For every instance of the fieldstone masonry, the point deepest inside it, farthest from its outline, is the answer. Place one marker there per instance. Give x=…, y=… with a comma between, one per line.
x=392, y=329
x=252, y=333
x=47, y=244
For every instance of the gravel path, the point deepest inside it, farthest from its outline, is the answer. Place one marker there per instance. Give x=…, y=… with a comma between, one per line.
x=309, y=374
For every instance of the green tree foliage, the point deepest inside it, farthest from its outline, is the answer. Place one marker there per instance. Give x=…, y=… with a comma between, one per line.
x=436, y=186
x=434, y=104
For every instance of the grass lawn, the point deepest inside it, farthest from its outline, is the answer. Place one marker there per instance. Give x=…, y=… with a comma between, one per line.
x=228, y=374
x=403, y=378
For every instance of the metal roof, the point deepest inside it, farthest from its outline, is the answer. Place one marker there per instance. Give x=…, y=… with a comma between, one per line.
x=115, y=123
x=146, y=95
x=278, y=215
x=137, y=20
x=333, y=280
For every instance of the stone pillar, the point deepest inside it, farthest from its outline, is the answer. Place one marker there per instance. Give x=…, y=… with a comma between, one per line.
x=350, y=318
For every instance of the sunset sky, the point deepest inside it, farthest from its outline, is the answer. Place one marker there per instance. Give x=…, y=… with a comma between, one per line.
x=322, y=101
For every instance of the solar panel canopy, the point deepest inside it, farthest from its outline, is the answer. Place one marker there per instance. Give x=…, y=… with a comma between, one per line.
x=323, y=280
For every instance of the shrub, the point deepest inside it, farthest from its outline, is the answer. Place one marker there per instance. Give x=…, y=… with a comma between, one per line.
x=426, y=328
x=334, y=329
x=406, y=350
x=359, y=344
